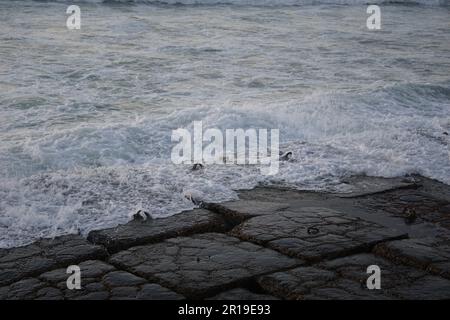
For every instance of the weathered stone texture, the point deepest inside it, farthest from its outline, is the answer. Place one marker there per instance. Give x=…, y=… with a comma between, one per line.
x=47, y=254
x=314, y=233
x=345, y=279
x=152, y=230
x=242, y=294
x=99, y=281
x=427, y=253
x=201, y=265
x=244, y=209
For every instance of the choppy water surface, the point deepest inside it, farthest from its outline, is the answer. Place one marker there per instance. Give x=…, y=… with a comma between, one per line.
x=86, y=116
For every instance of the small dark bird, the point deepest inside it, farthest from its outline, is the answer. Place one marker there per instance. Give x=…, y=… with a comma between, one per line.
x=445, y=133
x=141, y=215
x=410, y=215
x=197, y=166
x=285, y=156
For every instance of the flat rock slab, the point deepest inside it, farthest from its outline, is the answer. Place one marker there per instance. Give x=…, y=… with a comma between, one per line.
x=314, y=233
x=361, y=186
x=44, y=255
x=345, y=279
x=428, y=254
x=243, y=209
x=99, y=281
x=153, y=230
x=201, y=265
x=414, y=206
x=242, y=294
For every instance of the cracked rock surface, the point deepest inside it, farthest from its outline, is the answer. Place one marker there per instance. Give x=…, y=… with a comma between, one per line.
x=21, y=262
x=242, y=294
x=314, y=233
x=201, y=265
x=152, y=230
x=100, y=281
x=244, y=209
x=428, y=254
x=271, y=244
x=345, y=279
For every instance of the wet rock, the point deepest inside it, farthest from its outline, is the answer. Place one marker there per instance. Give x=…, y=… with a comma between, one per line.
x=335, y=234
x=103, y=295
x=242, y=294
x=345, y=279
x=201, y=265
x=47, y=254
x=99, y=281
x=412, y=198
x=49, y=294
x=156, y=292
x=354, y=267
x=90, y=269
x=121, y=278
x=295, y=283
x=244, y=209
x=363, y=186
x=427, y=254
x=426, y=288
x=423, y=204
x=142, y=232
x=344, y=289
x=124, y=293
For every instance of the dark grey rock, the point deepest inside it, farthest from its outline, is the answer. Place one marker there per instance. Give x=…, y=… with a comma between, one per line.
x=427, y=254
x=413, y=205
x=156, y=292
x=124, y=292
x=362, y=186
x=294, y=284
x=24, y=289
x=344, y=289
x=89, y=269
x=242, y=294
x=153, y=230
x=201, y=265
x=121, y=279
x=99, y=281
x=244, y=209
x=345, y=279
x=426, y=288
x=102, y=295
x=44, y=255
x=354, y=267
x=412, y=198
x=49, y=293
x=338, y=234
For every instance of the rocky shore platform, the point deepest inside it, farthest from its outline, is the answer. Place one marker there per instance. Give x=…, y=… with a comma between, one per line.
x=270, y=244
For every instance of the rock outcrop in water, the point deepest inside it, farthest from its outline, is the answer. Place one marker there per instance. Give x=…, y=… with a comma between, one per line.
x=270, y=244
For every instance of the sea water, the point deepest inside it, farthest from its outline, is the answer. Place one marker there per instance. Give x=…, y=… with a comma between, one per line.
x=86, y=115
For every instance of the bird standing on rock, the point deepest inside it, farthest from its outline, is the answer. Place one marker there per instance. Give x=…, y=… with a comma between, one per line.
x=141, y=215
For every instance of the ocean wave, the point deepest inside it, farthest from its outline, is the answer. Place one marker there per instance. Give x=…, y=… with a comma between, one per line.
x=86, y=118
x=266, y=2
x=88, y=181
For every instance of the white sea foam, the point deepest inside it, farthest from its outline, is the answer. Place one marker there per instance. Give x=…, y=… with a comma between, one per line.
x=271, y=3
x=86, y=118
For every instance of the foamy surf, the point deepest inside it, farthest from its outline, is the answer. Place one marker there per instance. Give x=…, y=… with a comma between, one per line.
x=270, y=3
x=86, y=118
